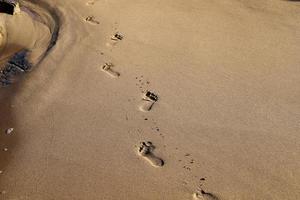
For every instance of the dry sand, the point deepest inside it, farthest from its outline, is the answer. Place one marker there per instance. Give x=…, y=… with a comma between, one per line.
x=225, y=124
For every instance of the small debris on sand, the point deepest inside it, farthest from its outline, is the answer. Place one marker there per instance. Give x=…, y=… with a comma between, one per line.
x=9, y=131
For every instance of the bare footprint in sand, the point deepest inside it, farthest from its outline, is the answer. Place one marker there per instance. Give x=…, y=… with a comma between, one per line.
x=92, y=20
x=148, y=101
x=107, y=68
x=201, y=195
x=117, y=36
x=115, y=39
x=146, y=151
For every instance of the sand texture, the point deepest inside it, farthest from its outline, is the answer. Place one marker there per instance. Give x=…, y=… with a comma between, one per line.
x=150, y=100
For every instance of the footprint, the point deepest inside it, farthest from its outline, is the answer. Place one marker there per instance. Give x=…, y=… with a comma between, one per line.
x=107, y=68
x=115, y=39
x=148, y=101
x=92, y=20
x=117, y=36
x=204, y=196
x=145, y=151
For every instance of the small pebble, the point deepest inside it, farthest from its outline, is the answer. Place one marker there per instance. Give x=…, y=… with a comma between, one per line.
x=5, y=149
x=9, y=131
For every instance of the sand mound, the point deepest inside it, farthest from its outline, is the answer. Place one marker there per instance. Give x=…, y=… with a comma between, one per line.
x=38, y=37
x=26, y=47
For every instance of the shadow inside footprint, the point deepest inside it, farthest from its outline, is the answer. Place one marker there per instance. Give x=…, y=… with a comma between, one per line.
x=146, y=151
x=107, y=68
x=202, y=195
x=148, y=101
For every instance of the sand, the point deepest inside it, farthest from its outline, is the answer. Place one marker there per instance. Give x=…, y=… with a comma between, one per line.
x=2, y=35
x=225, y=124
